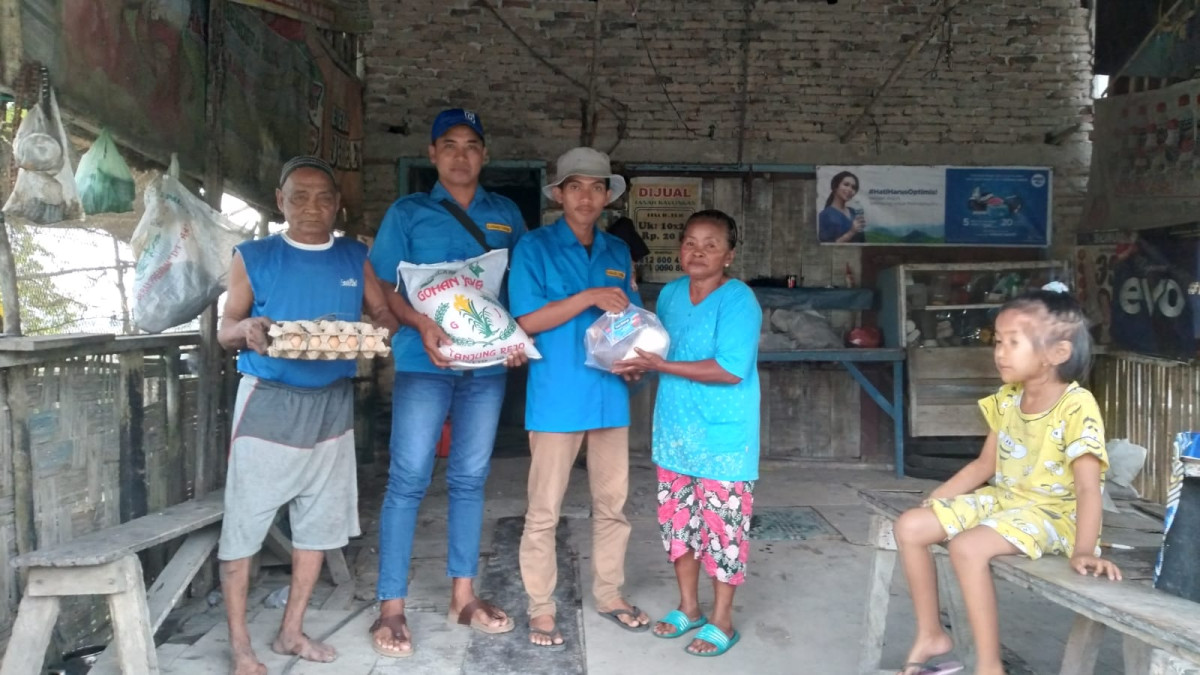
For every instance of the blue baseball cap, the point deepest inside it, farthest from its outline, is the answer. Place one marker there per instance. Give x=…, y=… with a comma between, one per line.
x=454, y=117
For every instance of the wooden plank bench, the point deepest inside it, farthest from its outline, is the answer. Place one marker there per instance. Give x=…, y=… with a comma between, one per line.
x=1161, y=632
x=105, y=562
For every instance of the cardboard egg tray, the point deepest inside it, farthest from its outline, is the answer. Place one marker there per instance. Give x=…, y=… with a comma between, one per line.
x=327, y=340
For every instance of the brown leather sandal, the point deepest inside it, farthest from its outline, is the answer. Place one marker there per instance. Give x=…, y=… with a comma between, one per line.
x=395, y=624
x=466, y=617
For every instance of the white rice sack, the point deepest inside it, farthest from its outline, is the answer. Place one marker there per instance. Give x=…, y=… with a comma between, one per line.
x=615, y=337
x=462, y=298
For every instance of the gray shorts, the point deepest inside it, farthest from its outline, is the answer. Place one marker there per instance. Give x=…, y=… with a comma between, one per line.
x=296, y=447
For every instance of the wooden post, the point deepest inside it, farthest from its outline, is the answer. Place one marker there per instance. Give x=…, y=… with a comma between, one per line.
x=209, y=441
x=8, y=282
x=209, y=433
x=177, y=483
x=132, y=466
x=10, y=40
x=878, y=593
x=126, y=326
x=16, y=400
x=1083, y=647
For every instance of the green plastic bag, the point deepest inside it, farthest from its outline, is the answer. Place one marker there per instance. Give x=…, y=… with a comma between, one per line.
x=104, y=182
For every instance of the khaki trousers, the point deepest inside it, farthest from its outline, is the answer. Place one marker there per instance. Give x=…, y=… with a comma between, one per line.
x=608, y=477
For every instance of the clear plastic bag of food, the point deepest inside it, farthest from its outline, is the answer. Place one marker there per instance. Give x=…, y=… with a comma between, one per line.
x=615, y=337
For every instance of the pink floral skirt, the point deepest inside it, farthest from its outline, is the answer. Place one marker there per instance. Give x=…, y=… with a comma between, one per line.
x=710, y=518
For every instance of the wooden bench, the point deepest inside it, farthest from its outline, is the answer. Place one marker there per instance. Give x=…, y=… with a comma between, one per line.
x=105, y=562
x=1161, y=632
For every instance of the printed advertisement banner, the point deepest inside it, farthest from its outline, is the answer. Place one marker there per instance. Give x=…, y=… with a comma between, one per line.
x=660, y=207
x=1145, y=162
x=938, y=205
x=1156, y=293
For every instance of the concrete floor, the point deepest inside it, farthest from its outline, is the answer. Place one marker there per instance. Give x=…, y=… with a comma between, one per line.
x=801, y=610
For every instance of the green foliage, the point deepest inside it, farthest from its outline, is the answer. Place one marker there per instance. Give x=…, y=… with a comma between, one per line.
x=44, y=309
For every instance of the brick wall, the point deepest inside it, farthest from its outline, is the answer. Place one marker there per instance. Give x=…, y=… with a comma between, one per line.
x=986, y=90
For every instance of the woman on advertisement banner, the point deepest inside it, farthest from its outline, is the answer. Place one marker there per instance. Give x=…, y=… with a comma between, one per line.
x=838, y=222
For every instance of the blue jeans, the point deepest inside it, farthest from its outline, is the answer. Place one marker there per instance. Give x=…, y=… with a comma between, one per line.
x=420, y=404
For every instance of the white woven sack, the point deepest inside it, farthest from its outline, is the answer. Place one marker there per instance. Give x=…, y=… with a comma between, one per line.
x=461, y=297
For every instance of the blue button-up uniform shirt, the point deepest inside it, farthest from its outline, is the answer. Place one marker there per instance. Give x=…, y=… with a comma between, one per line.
x=418, y=229
x=550, y=264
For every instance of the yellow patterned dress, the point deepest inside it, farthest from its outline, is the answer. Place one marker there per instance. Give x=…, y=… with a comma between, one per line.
x=1031, y=499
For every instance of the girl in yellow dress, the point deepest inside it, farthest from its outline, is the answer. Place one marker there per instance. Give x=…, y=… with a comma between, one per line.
x=1044, y=461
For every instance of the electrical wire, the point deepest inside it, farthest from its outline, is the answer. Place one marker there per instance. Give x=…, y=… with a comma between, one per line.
x=662, y=82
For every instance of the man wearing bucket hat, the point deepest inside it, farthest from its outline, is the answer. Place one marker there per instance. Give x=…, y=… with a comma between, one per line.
x=457, y=220
x=563, y=277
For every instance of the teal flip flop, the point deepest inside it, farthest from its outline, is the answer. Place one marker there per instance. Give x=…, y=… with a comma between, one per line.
x=717, y=638
x=681, y=622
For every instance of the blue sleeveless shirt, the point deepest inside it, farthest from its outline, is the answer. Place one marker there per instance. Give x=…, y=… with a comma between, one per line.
x=296, y=282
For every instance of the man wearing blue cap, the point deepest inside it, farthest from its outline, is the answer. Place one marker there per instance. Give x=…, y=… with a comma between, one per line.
x=457, y=220
x=293, y=432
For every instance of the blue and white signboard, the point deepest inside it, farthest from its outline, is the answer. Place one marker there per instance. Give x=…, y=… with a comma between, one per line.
x=938, y=205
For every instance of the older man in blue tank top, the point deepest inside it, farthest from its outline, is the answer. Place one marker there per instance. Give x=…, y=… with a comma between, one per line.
x=293, y=422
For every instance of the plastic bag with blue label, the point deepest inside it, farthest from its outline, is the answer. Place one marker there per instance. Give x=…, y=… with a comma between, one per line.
x=615, y=337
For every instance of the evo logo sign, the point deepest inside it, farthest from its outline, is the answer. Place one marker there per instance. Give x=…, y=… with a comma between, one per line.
x=1164, y=297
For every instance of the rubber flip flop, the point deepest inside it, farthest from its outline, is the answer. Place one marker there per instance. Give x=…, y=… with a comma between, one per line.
x=930, y=668
x=717, y=638
x=554, y=633
x=616, y=614
x=681, y=622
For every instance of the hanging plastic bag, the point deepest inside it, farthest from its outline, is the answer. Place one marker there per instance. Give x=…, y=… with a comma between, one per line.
x=461, y=297
x=44, y=192
x=614, y=337
x=183, y=249
x=103, y=179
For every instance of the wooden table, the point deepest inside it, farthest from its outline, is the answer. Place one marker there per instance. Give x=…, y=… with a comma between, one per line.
x=1161, y=632
x=848, y=358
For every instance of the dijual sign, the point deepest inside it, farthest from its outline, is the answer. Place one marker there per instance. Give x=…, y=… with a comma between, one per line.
x=938, y=205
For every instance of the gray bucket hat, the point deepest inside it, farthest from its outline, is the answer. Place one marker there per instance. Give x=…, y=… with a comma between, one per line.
x=588, y=162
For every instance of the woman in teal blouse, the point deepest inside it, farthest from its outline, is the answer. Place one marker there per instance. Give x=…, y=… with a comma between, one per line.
x=706, y=428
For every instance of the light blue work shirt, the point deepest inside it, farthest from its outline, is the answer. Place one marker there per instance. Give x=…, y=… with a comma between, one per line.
x=702, y=429
x=418, y=229
x=550, y=264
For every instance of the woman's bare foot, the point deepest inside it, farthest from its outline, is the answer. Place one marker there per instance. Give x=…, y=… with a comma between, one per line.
x=925, y=648
x=542, y=631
